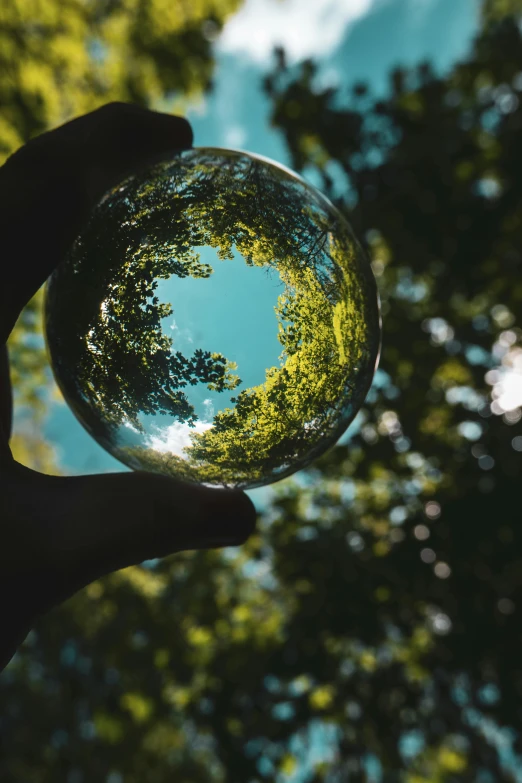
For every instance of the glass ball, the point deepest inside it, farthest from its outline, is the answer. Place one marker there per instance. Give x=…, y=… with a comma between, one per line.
x=216, y=321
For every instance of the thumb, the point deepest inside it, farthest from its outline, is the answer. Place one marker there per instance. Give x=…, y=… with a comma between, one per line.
x=125, y=518
x=80, y=528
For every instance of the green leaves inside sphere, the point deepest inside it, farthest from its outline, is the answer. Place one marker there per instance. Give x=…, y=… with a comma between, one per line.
x=215, y=321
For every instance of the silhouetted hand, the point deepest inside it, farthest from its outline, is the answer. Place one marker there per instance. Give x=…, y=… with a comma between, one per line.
x=58, y=534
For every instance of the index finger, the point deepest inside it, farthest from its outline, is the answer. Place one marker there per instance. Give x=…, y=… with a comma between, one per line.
x=48, y=187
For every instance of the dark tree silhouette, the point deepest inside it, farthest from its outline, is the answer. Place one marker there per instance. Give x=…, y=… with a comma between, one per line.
x=383, y=592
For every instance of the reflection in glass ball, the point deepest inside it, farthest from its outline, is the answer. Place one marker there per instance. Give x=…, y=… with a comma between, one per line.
x=216, y=321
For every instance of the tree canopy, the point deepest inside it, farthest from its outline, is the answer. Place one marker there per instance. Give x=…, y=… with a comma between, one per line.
x=59, y=60
x=381, y=597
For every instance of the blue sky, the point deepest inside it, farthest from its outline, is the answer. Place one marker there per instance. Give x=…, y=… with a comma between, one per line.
x=232, y=313
x=353, y=40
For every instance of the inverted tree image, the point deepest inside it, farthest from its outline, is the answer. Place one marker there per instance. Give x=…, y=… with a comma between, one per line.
x=117, y=365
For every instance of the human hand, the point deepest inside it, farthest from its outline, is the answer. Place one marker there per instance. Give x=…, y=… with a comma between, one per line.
x=58, y=534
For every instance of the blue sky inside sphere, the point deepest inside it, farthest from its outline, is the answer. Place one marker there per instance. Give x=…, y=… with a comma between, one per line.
x=231, y=313
x=352, y=40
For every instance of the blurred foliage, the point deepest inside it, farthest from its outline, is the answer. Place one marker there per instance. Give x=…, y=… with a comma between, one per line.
x=381, y=597
x=61, y=59
x=495, y=10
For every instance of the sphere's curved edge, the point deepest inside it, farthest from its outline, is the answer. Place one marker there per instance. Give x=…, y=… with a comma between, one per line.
x=363, y=254
x=373, y=345
x=274, y=163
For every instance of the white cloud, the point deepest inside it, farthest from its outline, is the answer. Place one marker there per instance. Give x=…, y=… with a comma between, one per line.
x=506, y=379
x=128, y=425
x=507, y=382
x=305, y=28
x=510, y=392
x=175, y=438
x=209, y=408
x=235, y=136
